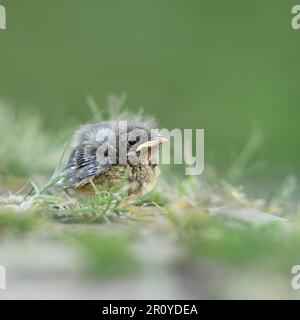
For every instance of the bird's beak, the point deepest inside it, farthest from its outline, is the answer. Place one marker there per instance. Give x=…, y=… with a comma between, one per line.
x=152, y=144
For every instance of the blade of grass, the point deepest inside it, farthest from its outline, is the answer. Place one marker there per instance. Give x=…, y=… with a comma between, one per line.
x=242, y=162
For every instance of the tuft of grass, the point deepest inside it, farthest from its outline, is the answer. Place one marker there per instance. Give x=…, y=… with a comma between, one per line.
x=96, y=209
x=270, y=247
x=12, y=224
x=155, y=198
x=105, y=255
x=282, y=200
x=241, y=166
x=25, y=148
x=115, y=106
x=94, y=108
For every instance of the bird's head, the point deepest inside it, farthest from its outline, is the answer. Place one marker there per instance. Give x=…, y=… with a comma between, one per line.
x=129, y=138
x=143, y=145
x=143, y=140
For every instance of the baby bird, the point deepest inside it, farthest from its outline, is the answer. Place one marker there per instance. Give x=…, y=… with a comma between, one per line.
x=109, y=153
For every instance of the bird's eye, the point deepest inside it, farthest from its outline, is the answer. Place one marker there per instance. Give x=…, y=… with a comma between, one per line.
x=133, y=142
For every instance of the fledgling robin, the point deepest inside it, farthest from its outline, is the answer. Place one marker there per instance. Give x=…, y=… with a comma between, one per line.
x=107, y=153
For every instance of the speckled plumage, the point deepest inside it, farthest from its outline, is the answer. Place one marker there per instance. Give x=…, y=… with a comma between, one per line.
x=84, y=164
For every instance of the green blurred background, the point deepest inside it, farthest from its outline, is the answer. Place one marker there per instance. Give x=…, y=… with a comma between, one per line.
x=225, y=66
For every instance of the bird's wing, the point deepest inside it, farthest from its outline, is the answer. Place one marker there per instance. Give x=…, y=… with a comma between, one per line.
x=82, y=166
